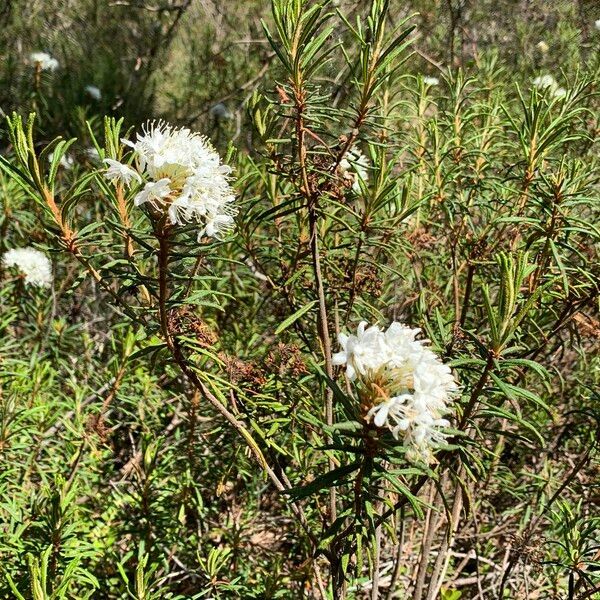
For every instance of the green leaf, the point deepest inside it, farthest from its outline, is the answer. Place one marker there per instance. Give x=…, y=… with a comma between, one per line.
x=330, y=479
x=293, y=318
x=148, y=350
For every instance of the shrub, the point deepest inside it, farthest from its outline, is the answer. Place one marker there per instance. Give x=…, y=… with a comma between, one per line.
x=355, y=357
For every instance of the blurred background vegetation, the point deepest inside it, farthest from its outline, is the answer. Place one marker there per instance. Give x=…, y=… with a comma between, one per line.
x=178, y=59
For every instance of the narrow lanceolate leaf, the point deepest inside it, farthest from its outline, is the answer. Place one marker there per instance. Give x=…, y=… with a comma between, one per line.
x=332, y=478
x=293, y=318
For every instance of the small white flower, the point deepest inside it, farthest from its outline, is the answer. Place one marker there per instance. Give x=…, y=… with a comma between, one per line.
x=380, y=412
x=354, y=167
x=33, y=264
x=408, y=387
x=543, y=82
x=154, y=192
x=66, y=162
x=362, y=353
x=597, y=24
x=44, y=60
x=217, y=225
x=431, y=80
x=93, y=91
x=542, y=46
x=118, y=172
x=547, y=82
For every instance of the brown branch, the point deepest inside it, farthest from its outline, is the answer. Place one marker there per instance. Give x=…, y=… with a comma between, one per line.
x=323, y=322
x=162, y=233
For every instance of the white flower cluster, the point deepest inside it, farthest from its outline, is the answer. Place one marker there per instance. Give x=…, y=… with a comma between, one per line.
x=93, y=92
x=33, y=264
x=354, y=167
x=404, y=385
x=66, y=162
x=44, y=60
x=182, y=175
x=427, y=80
x=547, y=82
